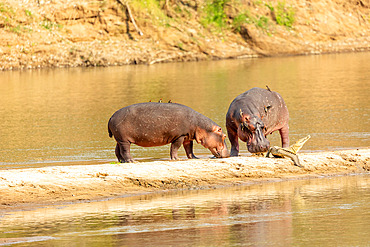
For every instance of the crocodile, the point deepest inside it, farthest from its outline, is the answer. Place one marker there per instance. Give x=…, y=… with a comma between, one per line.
x=290, y=152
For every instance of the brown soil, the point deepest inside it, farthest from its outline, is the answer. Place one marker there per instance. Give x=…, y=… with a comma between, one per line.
x=22, y=188
x=71, y=33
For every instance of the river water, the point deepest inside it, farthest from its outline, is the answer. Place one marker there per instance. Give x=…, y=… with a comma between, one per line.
x=60, y=116
x=315, y=212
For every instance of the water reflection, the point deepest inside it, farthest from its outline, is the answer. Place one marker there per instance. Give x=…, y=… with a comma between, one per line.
x=61, y=115
x=317, y=212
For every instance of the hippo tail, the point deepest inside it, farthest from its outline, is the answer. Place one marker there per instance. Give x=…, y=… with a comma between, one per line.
x=109, y=131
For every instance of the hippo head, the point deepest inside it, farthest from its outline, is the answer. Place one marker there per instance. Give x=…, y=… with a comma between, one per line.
x=214, y=140
x=254, y=129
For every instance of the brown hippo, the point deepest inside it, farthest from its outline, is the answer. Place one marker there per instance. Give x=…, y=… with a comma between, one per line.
x=157, y=124
x=252, y=116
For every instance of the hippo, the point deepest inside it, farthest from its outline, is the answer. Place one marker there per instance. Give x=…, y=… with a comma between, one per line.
x=156, y=124
x=252, y=116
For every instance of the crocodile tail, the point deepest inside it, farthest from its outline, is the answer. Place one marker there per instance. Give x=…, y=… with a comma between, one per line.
x=299, y=144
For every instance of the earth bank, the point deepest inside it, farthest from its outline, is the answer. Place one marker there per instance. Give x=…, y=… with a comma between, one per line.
x=49, y=33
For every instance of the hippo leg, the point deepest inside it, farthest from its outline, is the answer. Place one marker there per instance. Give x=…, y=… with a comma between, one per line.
x=175, y=145
x=188, y=146
x=118, y=153
x=284, y=135
x=233, y=137
x=124, y=152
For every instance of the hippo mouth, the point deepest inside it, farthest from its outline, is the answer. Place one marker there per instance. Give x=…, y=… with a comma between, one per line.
x=216, y=152
x=257, y=149
x=222, y=153
x=256, y=141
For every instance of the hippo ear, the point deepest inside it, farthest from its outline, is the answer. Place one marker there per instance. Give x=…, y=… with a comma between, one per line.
x=267, y=108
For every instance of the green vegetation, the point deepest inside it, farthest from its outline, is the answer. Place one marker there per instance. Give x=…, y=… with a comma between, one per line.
x=281, y=14
x=28, y=13
x=239, y=20
x=115, y=163
x=245, y=18
x=152, y=6
x=5, y=15
x=151, y=9
x=16, y=22
x=180, y=45
x=4, y=9
x=49, y=25
x=8, y=22
x=16, y=29
x=261, y=22
x=284, y=15
x=215, y=13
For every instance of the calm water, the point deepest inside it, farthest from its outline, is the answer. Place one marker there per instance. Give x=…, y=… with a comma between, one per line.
x=318, y=212
x=61, y=115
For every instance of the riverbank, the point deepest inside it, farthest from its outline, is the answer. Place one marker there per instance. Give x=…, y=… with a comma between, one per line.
x=39, y=34
x=26, y=188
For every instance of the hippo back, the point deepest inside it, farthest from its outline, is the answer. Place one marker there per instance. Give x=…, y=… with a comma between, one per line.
x=156, y=122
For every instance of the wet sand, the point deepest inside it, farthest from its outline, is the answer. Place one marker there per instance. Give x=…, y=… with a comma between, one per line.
x=27, y=188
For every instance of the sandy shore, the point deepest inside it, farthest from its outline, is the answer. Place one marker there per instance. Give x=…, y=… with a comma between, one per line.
x=22, y=188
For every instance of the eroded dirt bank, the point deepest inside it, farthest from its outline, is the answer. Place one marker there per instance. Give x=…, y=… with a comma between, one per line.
x=20, y=188
x=36, y=34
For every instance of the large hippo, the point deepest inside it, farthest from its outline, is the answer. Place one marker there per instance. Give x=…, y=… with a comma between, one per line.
x=252, y=116
x=156, y=124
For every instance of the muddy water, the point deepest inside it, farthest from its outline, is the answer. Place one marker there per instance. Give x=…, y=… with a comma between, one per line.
x=318, y=212
x=61, y=115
